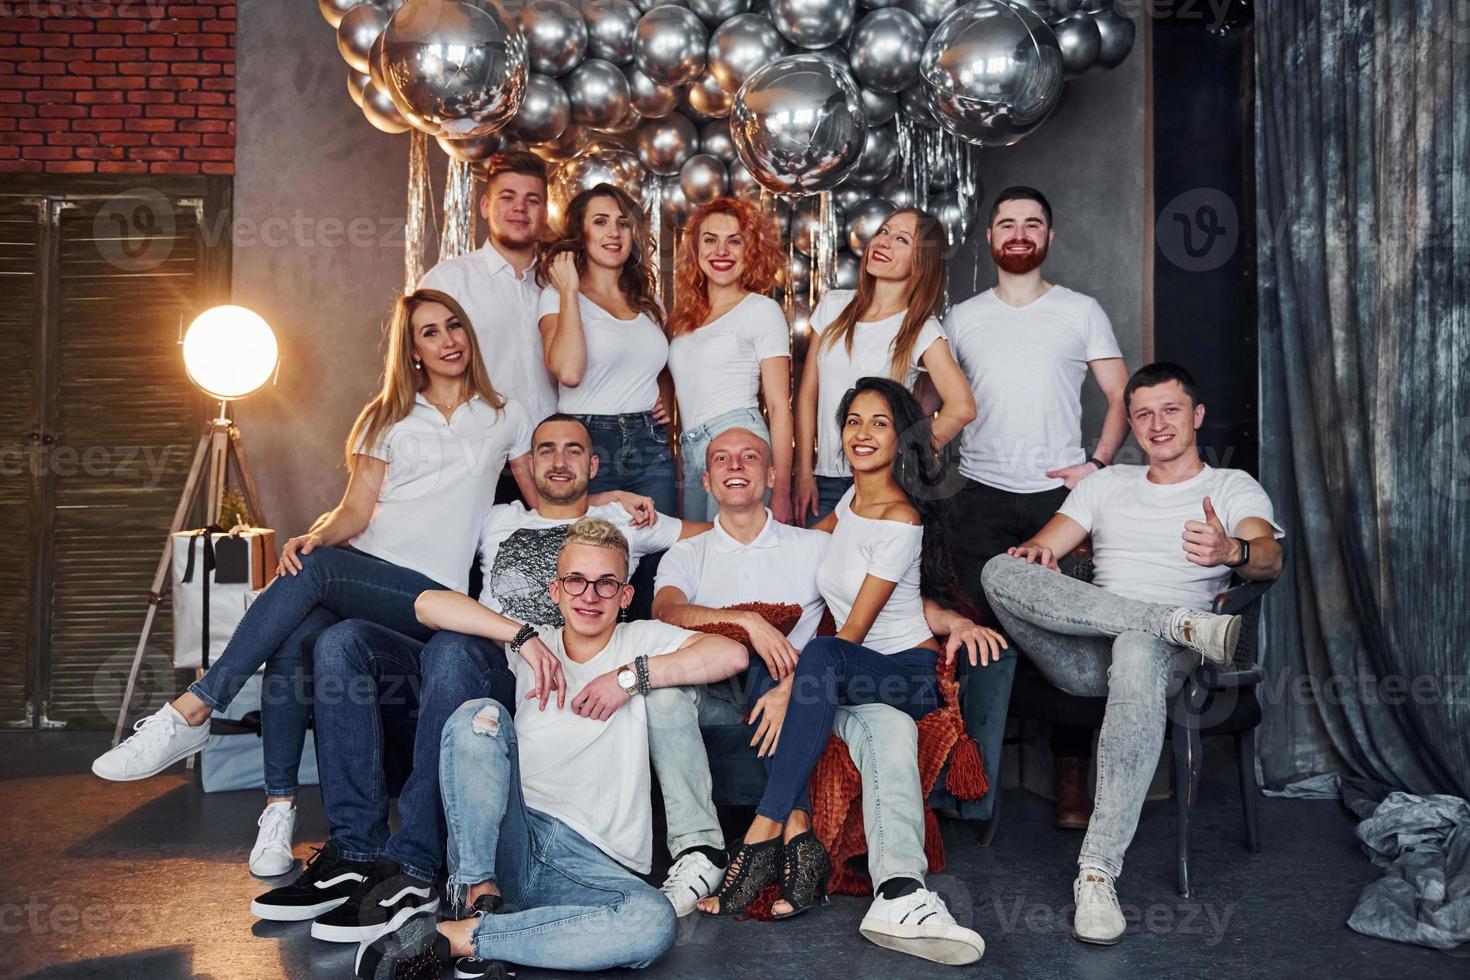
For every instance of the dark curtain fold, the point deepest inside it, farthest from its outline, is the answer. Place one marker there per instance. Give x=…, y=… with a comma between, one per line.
x=1363, y=189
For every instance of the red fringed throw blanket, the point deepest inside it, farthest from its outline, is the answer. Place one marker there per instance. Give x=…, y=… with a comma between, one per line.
x=836, y=788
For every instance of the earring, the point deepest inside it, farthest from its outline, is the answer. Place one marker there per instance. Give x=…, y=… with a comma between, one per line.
x=623, y=614
x=418, y=365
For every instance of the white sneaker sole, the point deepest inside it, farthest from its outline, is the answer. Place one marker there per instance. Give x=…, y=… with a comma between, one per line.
x=272, y=867
x=366, y=934
x=160, y=767
x=1096, y=940
x=950, y=945
x=293, y=913
x=680, y=912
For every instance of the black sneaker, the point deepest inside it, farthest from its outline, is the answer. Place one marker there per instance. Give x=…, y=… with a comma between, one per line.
x=325, y=883
x=381, y=904
x=416, y=951
x=472, y=967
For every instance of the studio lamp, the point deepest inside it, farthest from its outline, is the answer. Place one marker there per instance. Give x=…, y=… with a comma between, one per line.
x=229, y=352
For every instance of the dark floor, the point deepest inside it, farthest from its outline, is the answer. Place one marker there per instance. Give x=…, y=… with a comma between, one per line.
x=148, y=879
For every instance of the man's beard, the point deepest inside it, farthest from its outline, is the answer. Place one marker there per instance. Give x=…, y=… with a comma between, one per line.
x=554, y=492
x=1018, y=263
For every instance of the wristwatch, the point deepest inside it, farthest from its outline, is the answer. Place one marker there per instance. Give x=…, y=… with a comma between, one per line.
x=1097, y=462
x=1245, y=554
x=628, y=680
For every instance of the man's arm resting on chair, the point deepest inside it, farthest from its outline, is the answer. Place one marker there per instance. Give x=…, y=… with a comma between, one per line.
x=673, y=607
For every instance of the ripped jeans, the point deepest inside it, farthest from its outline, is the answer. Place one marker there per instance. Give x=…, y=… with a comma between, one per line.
x=578, y=909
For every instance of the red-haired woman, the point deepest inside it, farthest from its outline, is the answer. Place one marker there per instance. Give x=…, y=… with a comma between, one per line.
x=886, y=328
x=728, y=344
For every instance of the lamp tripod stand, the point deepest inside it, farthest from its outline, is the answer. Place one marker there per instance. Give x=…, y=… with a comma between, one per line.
x=220, y=442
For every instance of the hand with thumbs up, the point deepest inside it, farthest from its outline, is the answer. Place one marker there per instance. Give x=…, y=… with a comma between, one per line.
x=1207, y=542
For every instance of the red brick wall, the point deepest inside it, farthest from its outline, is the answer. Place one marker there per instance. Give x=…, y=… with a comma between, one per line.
x=117, y=86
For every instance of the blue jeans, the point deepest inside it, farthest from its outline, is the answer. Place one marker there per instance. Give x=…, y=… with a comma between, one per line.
x=829, y=672
x=829, y=491
x=633, y=454
x=578, y=909
x=334, y=583
x=699, y=503
x=353, y=659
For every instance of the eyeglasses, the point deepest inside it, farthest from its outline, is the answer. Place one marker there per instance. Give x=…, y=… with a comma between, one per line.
x=605, y=587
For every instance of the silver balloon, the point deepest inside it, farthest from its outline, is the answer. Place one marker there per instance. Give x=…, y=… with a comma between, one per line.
x=885, y=50
x=476, y=148
x=381, y=111
x=356, y=33
x=742, y=182
x=879, y=158
x=545, y=110
x=896, y=191
x=677, y=208
x=1116, y=34
x=456, y=67
x=1044, y=9
x=716, y=12
x=995, y=71
x=376, y=70
x=646, y=5
x=1080, y=41
x=711, y=100
x=573, y=140
x=334, y=10
x=880, y=106
x=664, y=144
x=956, y=220
x=625, y=129
x=611, y=25
x=931, y=12
x=799, y=125
x=715, y=139
x=836, y=56
x=864, y=221
x=848, y=195
x=806, y=225
x=651, y=99
x=604, y=165
x=670, y=45
x=849, y=266
x=356, y=82
x=878, y=4
x=556, y=36
x=917, y=104
x=703, y=178
x=1066, y=8
x=796, y=275
x=741, y=45
x=813, y=23
x=599, y=93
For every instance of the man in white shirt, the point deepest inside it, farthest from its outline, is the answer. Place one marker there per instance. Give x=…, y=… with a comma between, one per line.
x=1026, y=346
x=496, y=285
x=750, y=557
x=549, y=813
x=1166, y=538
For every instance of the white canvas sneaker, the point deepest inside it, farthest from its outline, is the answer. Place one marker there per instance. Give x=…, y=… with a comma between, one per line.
x=1212, y=636
x=271, y=856
x=1098, y=918
x=919, y=924
x=692, y=877
x=157, y=742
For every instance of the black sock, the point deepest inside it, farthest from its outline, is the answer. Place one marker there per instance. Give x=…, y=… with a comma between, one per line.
x=899, y=887
x=717, y=857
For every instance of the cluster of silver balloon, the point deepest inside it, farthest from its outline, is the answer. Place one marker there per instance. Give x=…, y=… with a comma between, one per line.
x=832, y=112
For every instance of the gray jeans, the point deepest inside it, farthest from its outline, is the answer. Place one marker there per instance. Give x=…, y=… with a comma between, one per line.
x=1092, y=643
x=883, y=743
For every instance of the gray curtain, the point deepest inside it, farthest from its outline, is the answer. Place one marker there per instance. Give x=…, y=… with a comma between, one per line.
x=1363, y=190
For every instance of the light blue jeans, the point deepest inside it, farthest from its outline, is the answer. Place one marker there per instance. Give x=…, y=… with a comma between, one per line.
x=699, y=504
x=1092, y=643
x=883, y=743
x=578, y=909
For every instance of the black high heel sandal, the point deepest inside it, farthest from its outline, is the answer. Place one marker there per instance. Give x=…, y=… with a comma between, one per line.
x=752, y=867
x=806, y=868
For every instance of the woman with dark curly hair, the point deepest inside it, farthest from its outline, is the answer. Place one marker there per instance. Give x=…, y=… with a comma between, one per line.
x=729, y=345
x=602, y=336
x=889, y=553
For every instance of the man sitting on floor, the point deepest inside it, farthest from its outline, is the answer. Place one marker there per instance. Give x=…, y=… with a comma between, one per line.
x=749, y=556
x=364, y=880
x=548, y=811
x=1166, y=538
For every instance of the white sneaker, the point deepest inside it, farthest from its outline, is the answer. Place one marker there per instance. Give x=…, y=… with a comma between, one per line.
x=692, y=877
x=157, y=742
x=1212, y=636
x=271, y=856
x=920, y=925
x=1098, y=918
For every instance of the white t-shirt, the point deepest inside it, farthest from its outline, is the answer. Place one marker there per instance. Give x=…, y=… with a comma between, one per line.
x=872, y=353
x=1026, y=367
x=519, y=547
x=440, y=485
x=717, y=368
x=1137, y=530
x=715, y=570
x=624, y=358
x=591, y=775
x=502, y=309
x=890, y=550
